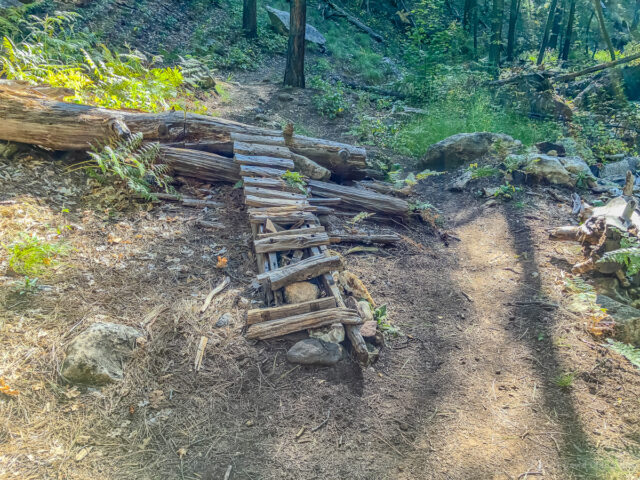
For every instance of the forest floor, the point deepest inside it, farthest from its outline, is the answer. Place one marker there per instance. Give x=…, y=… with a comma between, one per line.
x=469, y=390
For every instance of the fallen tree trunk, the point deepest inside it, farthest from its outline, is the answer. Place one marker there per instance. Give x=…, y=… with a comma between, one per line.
x=360, y=198
x=29, y=115
x=204, y=166
x=355, y=21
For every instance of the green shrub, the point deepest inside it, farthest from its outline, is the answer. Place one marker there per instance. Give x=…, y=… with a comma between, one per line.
x=32, y=256
x=330, y=100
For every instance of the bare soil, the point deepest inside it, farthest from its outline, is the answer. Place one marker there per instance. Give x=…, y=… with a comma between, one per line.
x=468, y=390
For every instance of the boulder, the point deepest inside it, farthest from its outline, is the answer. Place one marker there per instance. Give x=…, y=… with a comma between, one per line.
x=280, y=21
x=610, y=286
x=617, y=171
x=313, y=351
x=96, y=356
x=578, y=167
x=548, y=104
x=545, y=169
x=332, y=334
x=460, y=183
x=301, y=292
x=627, y=319
x=463, y=148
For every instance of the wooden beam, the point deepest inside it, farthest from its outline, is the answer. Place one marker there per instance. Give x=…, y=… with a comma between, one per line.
x=303, y=270
x=284, y=243
x=265, y=182
x=262, y=139
x=284, y=326
x=261, y=161
x=264, y=202
x=282, y=217
x=265, y=314
x=365, y=239
x=251, y=171
x=269, y=193
x=318, y=229
x=360, y=198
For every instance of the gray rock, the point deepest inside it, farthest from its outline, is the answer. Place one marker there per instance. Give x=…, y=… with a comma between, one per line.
x=285, y=97
x=96, y=356
x=460, y=183
x=280, y=22
x=462, y=148
x=617, y=171
x=224, y=320
x=545, y=169
x=312, y=351
x=331, y=334
x=577, y=166
x=627, y=327
x=365, y=311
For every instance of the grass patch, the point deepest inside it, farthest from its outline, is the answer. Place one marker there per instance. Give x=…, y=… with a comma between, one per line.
x=471, y=114
x=31, y=255
x=564, y=380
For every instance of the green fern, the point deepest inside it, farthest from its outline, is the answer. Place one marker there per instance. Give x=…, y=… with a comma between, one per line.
x=627, y=257
x=134, y=163
x=628, y=351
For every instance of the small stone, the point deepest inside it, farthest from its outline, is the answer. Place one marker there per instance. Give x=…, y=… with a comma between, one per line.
x=368, y=329
x=224, y=320
x=301, y=292
x=285, y=97
x=331, y=334
x=365, y=311
x=312, y=351
x=96, y=356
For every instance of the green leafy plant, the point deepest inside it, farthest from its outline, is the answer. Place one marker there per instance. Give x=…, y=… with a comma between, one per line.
x=132, y=162
x=295, y=180
x=428, y=173
x=330, y=101
x=30, y=285
x=627, y=351
x=380, y=315
x=32, y=255
x=483, y=171
x=627, y=257
x=360, y=217
x=507, y=191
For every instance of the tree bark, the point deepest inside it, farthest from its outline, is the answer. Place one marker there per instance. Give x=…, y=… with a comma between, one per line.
x=294, y=72
x=569, y=33
x=603, y=29
x=467, y=13
x=511, y=34
x=496, y=32
x=250, y=18
x=555, y=28
x=547, y=30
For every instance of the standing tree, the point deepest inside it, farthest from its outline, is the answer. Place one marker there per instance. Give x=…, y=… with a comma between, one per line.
x=556, y=27
x=564, y=55
x=547, y=29
x=511, y=34
x=250, y=18
x=496, y=32
x=294, y=72
x=603, y=28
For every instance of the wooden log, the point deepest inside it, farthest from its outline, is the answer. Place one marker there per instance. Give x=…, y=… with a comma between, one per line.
x=296, y=241
x=269, y=193
x=325, y=201
x=320, y=318
x=264, y=202
x=303, y=270
x=266, y=182
x=282, y=217
x=365, y=239
x=295, y=231
x=265, y=314
x=262, y=139
x=260, y=150
x=29, y=116
x=251, y=171
x=204, y=166
x=356, y=21
x=360, y=198
x=261, y=161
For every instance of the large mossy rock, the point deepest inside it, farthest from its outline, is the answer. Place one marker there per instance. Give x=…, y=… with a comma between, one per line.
x=627, y=319
x=96, y=356
x=280, y=20
x=463, y=148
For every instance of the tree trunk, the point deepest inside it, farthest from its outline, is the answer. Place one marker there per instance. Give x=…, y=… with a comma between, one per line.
x=294, y=72
x=496, y=32
x=511, y=34
x=249, y=18
x=555, y=28
x=603, y=28
x=569, y=33
x=636, y=19
x=475, y=31
x=467, y=13
x=547, y=30
x=587, y=32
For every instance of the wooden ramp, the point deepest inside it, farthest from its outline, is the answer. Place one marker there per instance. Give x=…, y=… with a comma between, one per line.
x=290, y=246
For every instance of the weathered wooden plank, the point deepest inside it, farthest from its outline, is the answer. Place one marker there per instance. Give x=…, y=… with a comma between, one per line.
x=262, y=202
x=317, y=229
x=262, y=262
x=360, y=198
x=269, y=193
x=283, y=218
x=284, y=243
x=262, y=139
x=320, y=318
x=266, y=182
x=265, y=314
x=365, y=239
x=303, y=270
x=261, y=150
x=328, y=202
x=261, y=161
x=201, y=165
x=251, y=171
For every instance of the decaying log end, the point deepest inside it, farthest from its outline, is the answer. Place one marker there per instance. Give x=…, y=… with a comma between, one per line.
x=119, y=128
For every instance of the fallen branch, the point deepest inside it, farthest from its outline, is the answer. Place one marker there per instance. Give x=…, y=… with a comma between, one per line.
x=355, y=21
x=213, y=293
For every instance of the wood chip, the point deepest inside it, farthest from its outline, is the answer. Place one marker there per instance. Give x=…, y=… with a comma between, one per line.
x=213, y=293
